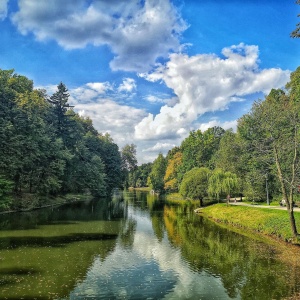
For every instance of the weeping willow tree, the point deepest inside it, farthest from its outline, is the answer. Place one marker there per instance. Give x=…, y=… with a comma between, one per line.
x=221, y=182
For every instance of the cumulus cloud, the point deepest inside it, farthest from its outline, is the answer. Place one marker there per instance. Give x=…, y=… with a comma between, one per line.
x=111, y=117
x=100, y=87
x=225, y=125
x=3, y=9
x=206, y=83
x=107, y=115
x=161, y=99
x=138, y=32
x=128, y=85
x=160, y=147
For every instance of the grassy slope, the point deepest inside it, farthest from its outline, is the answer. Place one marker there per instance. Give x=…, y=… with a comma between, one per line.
x=266, y=221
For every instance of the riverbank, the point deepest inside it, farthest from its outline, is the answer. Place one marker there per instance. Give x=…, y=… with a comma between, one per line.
x=271, y=222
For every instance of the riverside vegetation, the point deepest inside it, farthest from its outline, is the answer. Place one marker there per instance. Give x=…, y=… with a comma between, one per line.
x=260, y=161
x=48, y=150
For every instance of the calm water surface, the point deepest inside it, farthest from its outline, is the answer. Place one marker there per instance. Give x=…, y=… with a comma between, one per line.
x=135, y=246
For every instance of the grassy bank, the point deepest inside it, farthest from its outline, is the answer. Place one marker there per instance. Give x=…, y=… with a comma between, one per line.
x=274, y=223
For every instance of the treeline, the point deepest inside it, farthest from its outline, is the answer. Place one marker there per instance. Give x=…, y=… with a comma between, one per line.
x=260, y=161
x=48, y=149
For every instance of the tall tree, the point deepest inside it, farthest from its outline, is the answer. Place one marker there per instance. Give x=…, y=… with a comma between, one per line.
x=59, y=100
x=129, y=161
x=172, y=170
x=199, y=147
x=272, y=128
x=296, y=32
x=156, y=177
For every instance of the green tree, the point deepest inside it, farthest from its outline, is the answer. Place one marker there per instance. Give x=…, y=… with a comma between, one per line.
x=272, y=128
x=6, y=187
x=215, y=183
x=229, y=183
x=296, y=32
x=111, y=157
x=199, y=147
x=129, y=161
x=140, y=175
x=59, y=100
x=156, y=176
x=195, y=184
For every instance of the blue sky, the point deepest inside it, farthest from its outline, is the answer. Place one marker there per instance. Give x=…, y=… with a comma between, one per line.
x=149, y=71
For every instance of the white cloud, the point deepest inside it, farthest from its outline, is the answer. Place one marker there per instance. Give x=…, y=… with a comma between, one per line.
x=160, y=147
x=206, y=83
x=128, y=85
x=138, y=32
x=107, y=115
x=154, y=99
x=225, y=125
x=161, y=99
x=3, y=9
x=100, y=87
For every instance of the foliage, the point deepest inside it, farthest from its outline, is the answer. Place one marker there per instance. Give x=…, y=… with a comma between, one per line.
x=172, y=170
x=48, y=149
x=199, y=148
x=156, y=176
x=194, y=184
x=271, y=128
x=5, y=192
x=139, y=176
x=129, y=162
x=296, y=32
x=215, y=183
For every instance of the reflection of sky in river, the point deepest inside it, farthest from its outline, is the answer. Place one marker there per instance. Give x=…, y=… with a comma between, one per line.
x=149, y=270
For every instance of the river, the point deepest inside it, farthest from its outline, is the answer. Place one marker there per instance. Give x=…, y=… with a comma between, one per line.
x=135, y=246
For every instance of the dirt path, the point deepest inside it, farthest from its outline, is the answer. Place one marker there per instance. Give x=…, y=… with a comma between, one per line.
x=297, y=209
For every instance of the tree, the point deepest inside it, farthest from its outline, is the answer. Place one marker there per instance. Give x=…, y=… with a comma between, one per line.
x=229, y=183
x=227, y=156
x=129, y=161
x=143, y=172
x=195, y=184
x=171, y=175
x=272, y=129
x=111, y=157
x=199, y=147
x=296, y=32
x=6, y=187
x=59, y=100
x=128, y=154
x=156, y=176
x=215, y=183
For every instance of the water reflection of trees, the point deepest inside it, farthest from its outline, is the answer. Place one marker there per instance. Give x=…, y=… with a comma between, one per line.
x=97, y=209
x=245, y=266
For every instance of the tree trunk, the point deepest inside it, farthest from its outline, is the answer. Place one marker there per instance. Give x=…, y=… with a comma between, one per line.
x=288, y=200
x=293, y=222
x=201, y=202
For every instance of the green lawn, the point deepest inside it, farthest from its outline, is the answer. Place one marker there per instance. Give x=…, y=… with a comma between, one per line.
x=263, y=220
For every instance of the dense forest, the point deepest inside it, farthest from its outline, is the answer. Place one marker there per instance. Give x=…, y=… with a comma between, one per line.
x=48, y=149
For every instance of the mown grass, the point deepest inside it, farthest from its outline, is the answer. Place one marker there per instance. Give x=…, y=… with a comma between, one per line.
x=263, y=220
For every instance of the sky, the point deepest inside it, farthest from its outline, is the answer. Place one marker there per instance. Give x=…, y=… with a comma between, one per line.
x=149, y=71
